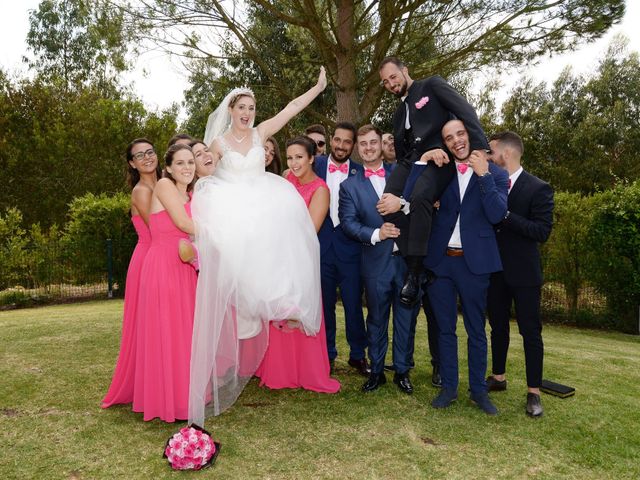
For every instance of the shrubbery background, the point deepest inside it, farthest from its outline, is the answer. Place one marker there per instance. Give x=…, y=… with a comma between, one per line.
x=591, y=261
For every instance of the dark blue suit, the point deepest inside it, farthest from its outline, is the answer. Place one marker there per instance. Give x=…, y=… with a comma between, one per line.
x=382, y=273
x=340, y=267
x=484, y=204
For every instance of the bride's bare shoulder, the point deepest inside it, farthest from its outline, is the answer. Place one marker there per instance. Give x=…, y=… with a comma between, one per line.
x=217, y=147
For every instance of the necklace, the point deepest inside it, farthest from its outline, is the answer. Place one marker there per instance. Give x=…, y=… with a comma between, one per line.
x=239, y=140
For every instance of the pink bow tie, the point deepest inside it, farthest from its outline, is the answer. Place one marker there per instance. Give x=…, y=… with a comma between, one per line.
x=342, y=168
x=369, y=173
x=462, y=167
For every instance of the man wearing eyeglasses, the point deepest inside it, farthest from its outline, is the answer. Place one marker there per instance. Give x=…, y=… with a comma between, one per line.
x=318, y=134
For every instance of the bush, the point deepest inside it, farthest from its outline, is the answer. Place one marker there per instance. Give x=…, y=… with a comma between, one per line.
x=92, y=220
x=615, y=271
x=13, y=244
x=566, y=254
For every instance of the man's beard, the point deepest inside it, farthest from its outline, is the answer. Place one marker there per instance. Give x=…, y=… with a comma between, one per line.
x=403, y=90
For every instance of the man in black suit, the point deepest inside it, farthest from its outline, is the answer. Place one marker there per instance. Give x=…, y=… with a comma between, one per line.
x=527, y=223
x=426, y=106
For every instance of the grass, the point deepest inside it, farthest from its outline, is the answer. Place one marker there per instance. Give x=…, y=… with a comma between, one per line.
x=57, y=363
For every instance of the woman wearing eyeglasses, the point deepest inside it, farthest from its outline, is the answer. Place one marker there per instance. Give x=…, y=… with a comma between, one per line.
x=166, y=299
x=143, y=174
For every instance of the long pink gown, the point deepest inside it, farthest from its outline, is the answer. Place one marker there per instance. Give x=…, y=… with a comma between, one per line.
x=293, y=359
x=121, y=388
x=165, y=324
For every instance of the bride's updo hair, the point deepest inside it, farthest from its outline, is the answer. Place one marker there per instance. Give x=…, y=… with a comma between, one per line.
x=168, y=160
x=305, y=142
x=243, y=93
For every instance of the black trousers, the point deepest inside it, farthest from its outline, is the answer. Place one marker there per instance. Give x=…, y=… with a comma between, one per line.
x=527, y=304
x=433, y=331
x=415, y=228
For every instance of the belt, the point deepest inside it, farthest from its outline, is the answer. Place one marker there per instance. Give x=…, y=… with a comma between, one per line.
x=455, y=252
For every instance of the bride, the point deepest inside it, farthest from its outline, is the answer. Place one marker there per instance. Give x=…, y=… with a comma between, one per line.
x=259, y=254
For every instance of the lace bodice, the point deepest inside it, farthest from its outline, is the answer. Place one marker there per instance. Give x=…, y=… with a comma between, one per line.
x=236, y=163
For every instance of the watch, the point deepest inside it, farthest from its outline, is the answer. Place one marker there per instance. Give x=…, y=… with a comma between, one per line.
x=403, y=202
x=486, y=173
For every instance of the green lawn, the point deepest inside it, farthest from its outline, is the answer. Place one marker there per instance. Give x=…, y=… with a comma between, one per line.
x=57, y=363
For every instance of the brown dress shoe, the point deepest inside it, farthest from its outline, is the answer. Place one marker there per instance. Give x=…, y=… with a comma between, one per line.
x=361, y=366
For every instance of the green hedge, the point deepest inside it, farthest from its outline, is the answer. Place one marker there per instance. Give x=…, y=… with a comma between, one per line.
x=594, y=254
x=93, y=219
x=614, y=241
x=75, y=255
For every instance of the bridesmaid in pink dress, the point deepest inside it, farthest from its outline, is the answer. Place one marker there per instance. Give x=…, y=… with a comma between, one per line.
x=167, y=297
x=293, y=359
x=143, y=172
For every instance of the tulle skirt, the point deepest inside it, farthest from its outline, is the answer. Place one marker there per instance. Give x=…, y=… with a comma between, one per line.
x=259, y=261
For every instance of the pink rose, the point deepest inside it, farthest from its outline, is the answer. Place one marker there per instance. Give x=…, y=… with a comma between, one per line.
x=422, y=102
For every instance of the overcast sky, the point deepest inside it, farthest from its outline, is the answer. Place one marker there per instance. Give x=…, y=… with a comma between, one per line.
x=165, y=82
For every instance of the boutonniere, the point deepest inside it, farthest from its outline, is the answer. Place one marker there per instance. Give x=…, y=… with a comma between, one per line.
x=422, y=102
x=353, y=171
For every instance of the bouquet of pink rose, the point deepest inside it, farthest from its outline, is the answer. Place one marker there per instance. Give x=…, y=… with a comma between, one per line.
x=192, y=448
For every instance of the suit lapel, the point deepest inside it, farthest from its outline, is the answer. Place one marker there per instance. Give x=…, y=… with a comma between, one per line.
x=518, y=187
x=321, y=169
x=368, y=188
x=470, y=186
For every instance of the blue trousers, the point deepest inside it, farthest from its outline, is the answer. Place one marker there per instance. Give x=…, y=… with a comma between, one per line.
x=453, y=279
x=382, y=294
x=346, y=276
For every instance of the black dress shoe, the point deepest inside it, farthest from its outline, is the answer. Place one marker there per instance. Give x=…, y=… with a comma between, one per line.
x=374, y=381
x=495, y=385
x=410, y=290
x=534, y=406
x=429, y=277
x=436, y=379
x=361, y=366
x=403, y=382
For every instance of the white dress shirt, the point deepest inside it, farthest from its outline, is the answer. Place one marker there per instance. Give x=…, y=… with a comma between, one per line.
x=463, y=182
x=513, y=177
x=333, y=182
x=407, y=123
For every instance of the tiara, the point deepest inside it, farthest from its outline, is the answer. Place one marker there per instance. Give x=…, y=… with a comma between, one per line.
x=241, y=91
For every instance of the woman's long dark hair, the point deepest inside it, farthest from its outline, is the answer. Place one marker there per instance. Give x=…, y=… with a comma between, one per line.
x=276, y=165
x=133, y=176
x=168, y=160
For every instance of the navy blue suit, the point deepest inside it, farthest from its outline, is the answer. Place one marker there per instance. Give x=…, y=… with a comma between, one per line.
x=340, y=267
x=382, y=273
x=484, y=204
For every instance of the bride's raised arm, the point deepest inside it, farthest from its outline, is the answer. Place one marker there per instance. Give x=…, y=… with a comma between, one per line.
x=273, y=125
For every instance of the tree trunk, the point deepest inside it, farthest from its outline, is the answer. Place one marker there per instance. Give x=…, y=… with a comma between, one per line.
x=346, y=93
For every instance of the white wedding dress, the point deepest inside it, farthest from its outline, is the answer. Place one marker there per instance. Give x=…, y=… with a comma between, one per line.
x=259, y=261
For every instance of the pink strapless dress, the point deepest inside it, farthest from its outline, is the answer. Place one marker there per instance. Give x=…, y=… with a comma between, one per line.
x=293, y=359
x=165, y=323
x=121, y=388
